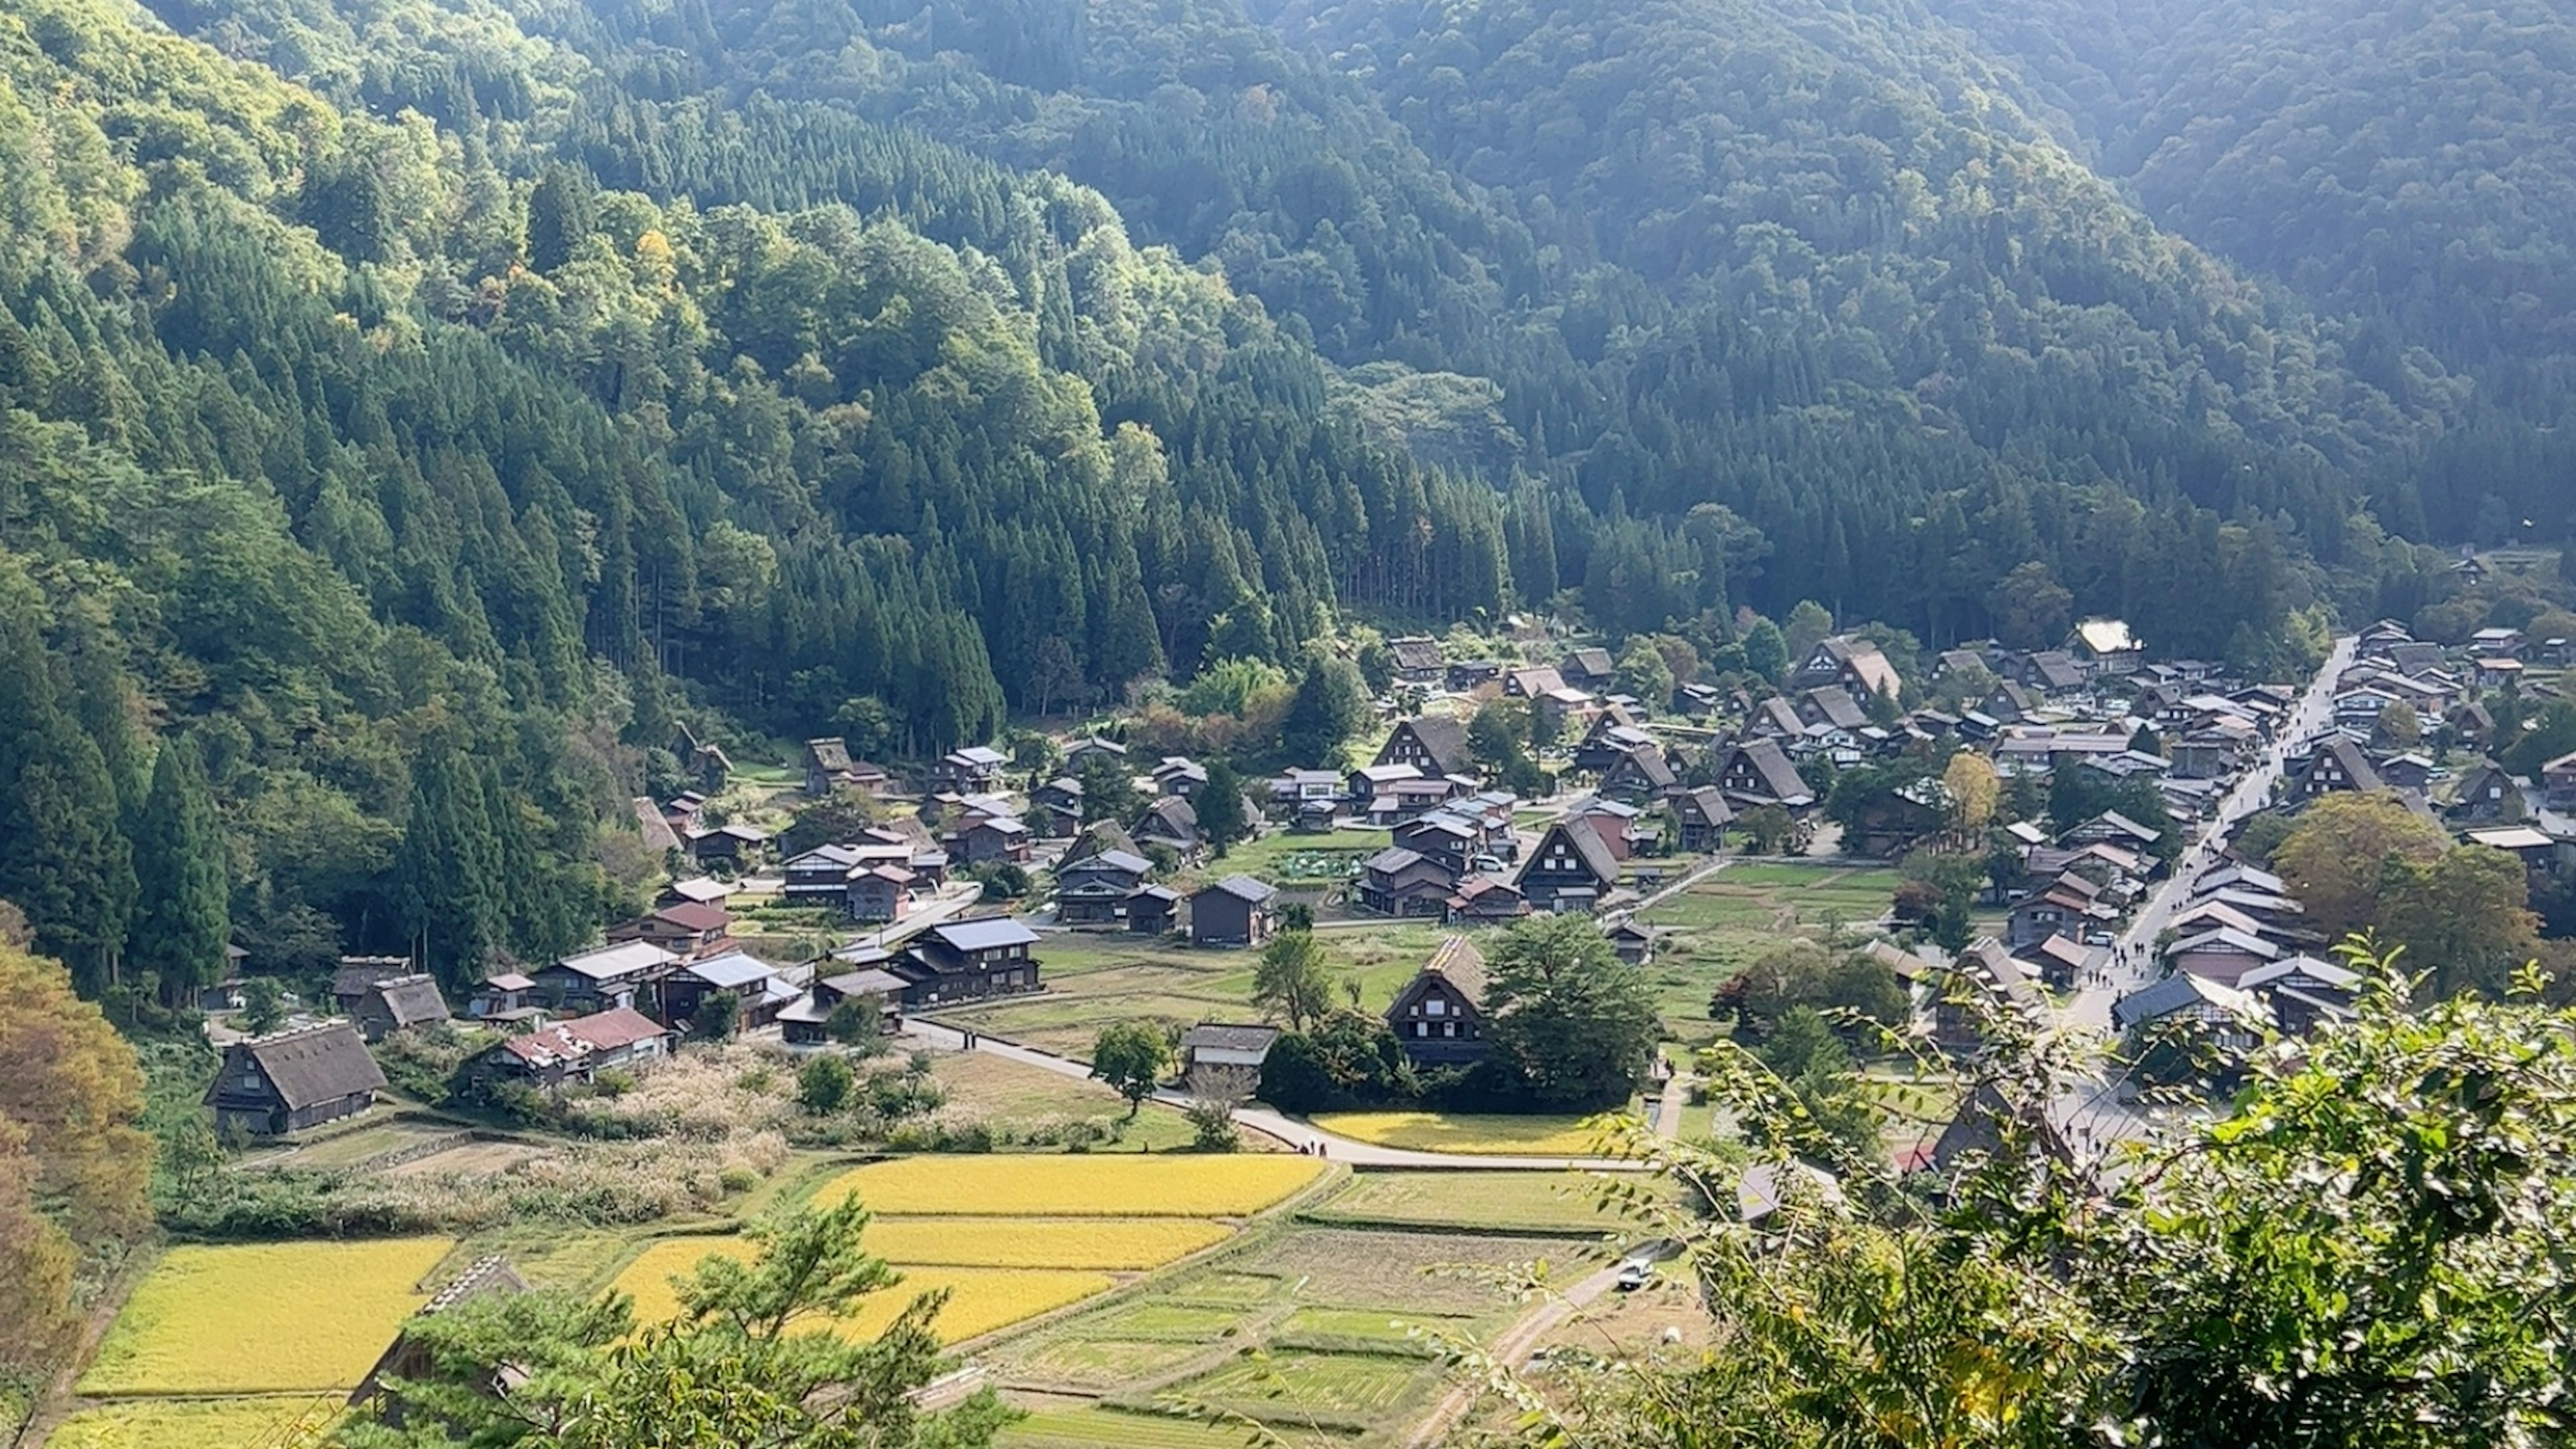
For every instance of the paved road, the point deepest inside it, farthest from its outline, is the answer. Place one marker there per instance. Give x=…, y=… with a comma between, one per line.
x=1303, y=1136
x=2091, y=1115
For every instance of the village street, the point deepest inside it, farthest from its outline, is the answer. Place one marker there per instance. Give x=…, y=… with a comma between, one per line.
x=2093, y=1116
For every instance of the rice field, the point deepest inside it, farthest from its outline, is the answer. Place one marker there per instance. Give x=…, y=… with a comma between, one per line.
x=1539, y=1202
x=1118, y=1429
x=198, y=1423
x=980, y=1299
x=1467, y=1132
x=266, y=1318
x=1340, y=1386
x=1114, y=1244
x=1076, y=1186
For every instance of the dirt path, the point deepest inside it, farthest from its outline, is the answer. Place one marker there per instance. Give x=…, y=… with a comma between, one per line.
x=1512, y=1350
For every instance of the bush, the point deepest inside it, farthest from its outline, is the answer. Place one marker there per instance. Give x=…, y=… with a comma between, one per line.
x=823, y=1085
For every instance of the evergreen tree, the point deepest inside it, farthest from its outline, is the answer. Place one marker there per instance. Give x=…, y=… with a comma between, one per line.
x=182, y=919
x=1220, y=808
x=447, y=873
x=1330, y=706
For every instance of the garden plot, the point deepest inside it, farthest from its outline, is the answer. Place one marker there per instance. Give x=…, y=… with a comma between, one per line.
x=1076, y=1186
x=1413, y=1275
x=270, y=1318
x=1349, y=1391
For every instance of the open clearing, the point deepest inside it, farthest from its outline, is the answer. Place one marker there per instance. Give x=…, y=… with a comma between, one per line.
x=1467, y=1132
x=199, y=1423
x=269, y=1318
x=1076, y=1186
x=995, y=1089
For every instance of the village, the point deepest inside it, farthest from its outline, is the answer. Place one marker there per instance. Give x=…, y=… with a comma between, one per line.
x=2059, y=833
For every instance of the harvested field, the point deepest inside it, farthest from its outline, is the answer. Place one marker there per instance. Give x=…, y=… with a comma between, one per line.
x=1416, y=1273
x=470, y=1158
x=1551, y=1202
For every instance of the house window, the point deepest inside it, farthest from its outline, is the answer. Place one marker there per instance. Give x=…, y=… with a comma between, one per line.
x=1449, y=1028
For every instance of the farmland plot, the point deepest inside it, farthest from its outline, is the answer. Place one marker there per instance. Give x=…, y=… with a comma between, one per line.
x=1115, y=1244
x=269, y=1318
x=198, y=1423
x=980, y=1299
x=1076, y=1186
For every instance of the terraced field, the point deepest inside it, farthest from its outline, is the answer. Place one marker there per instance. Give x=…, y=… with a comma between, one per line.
x=265, y=1318
x=1533, y=1202
x=1077, y=1186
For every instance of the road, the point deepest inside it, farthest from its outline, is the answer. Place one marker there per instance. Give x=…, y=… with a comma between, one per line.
x=2091, y=1115
x=1303, y=1136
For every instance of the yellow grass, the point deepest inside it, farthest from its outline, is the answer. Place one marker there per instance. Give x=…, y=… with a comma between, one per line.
x=270, y=1318
x=1087, y=1186
x=1466, y=1132
x=1117, y=1244
x=197, y=1423
x=983, y=1299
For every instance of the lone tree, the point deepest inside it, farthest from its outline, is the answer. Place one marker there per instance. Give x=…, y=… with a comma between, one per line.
x=1577, y=1022
x=1292, y=980
x=1130, y=1056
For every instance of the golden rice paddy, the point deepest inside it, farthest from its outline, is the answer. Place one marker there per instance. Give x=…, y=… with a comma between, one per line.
x=264, y=1318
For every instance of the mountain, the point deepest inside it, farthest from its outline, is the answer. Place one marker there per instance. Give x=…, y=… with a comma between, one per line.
x=426, y=402
x=2410, y=166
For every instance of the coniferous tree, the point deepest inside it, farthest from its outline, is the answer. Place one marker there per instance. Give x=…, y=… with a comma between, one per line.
x=182, y=918
x=446, y=874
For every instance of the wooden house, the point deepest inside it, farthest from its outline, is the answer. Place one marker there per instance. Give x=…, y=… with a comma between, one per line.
x=399, y=1004
x=1571, y=870
x=1702, y=815
x=576, y=1049
x=974, y=770
x=1856, y=664
x=1235, y=911
x=968, y=960
x=1639, y=776
x=879, y=894
x=1093, y=891
x=357, y=975
x=806, y=1021
x=1758, y=772
x=1152, y=910
x=683, y=930
x=1417, y=660
x=1487, y=900
x=2337, y=765
x=605, y=978
x=1170, y=822
x=1401, y=882
x=1438, y=1017
x=1436, y=746
x=759, y=990
x=289, y=1081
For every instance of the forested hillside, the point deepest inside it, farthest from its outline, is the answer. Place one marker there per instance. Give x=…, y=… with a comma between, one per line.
x=421, y=403
x=2410, y=166
x=419, y=490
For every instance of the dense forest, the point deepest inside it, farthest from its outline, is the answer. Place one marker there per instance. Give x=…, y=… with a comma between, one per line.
x=416, y=406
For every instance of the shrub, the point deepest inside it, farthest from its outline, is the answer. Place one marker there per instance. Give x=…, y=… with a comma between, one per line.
x=823, y=1085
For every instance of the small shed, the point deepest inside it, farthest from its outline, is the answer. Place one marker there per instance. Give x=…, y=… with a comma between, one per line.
x=1224, y=1044
x=1236, y=911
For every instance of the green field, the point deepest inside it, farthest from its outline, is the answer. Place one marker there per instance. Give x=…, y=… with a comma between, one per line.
x=1721, y=924
x=1290, y=860
x=1470, y=1133
x=1326, y=1388
x=1534, y=1202
x=1118, y=1429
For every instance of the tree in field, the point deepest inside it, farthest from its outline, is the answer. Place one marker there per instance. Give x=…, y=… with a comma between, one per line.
x=2336, y=858
x=183, y=920
x=760, y=1355
x=1576, y=1022
x=1131, y=1057
x=1798, y=974
x=1220, y=808
x=1293, y=980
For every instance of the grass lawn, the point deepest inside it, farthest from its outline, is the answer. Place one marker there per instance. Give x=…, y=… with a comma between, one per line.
x=265, y=1318
x=1558, y=1202
x=998, y=1090
x=199, y=1423
x=1177, y=1185
x=1467, y=1132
